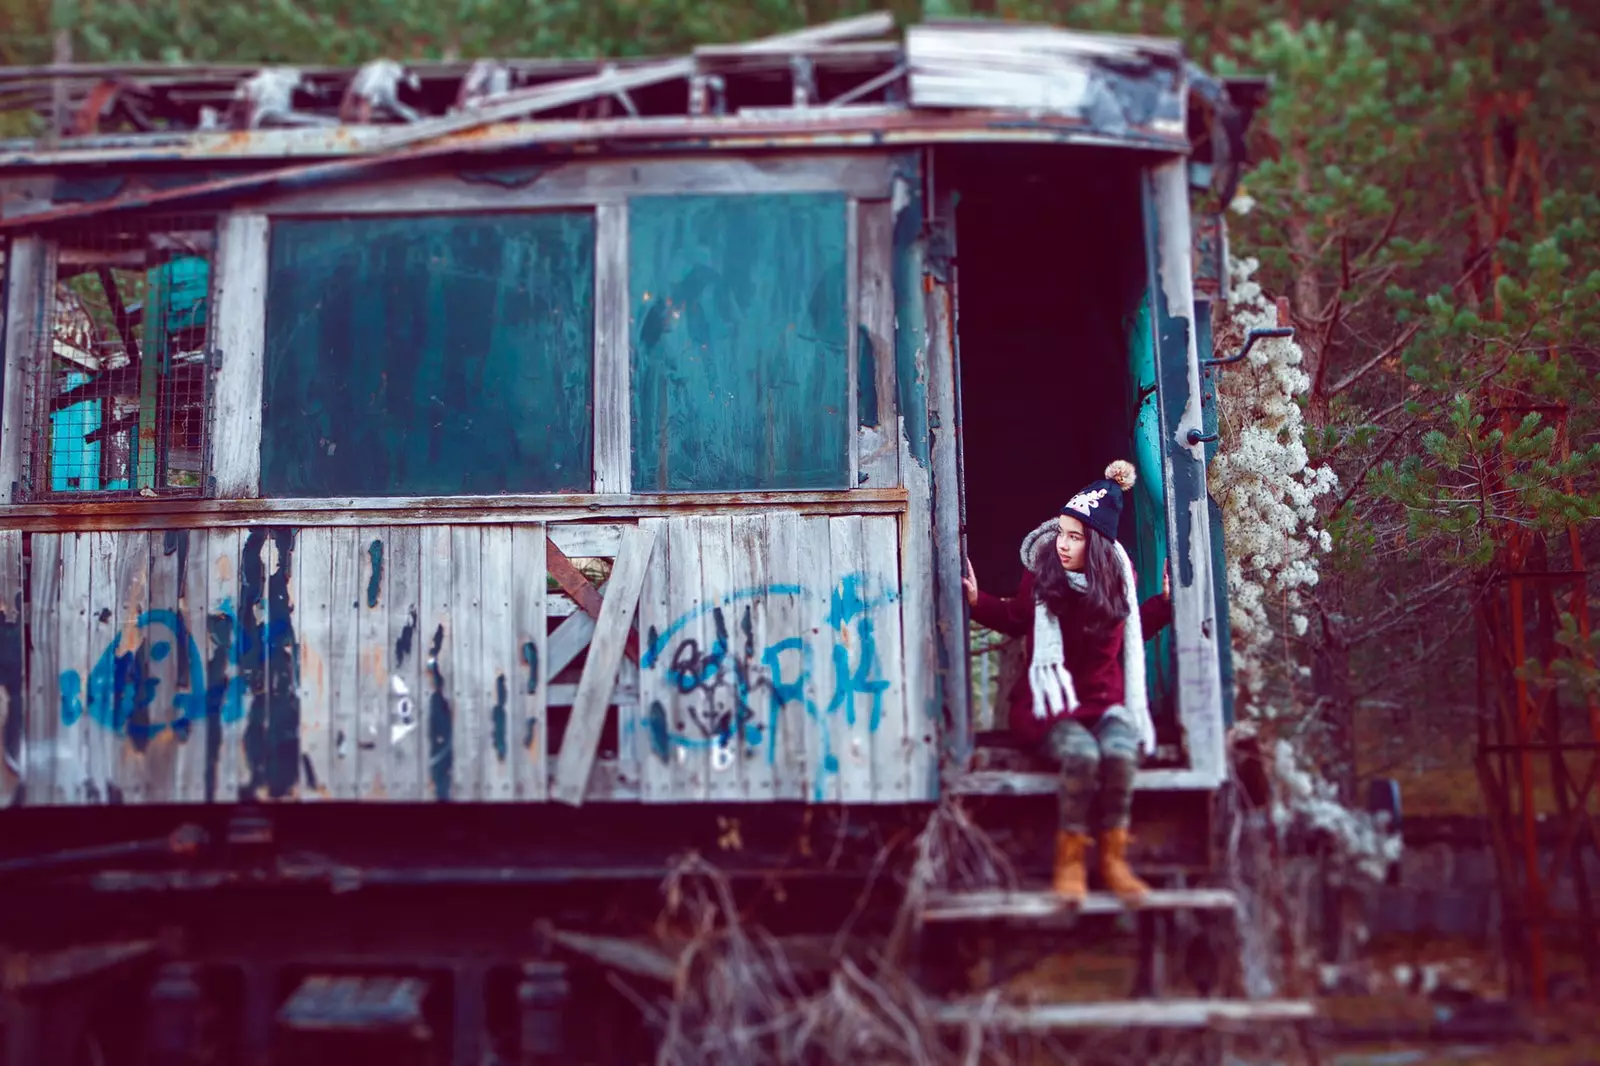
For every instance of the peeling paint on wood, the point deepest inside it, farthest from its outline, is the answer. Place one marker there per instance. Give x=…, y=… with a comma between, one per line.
x=1166, y=207
x=771, y=650
x=392, y=368
x=739, y=373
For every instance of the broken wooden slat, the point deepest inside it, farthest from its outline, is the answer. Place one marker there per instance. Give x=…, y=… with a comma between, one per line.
x=531, y=693
x=499, y=657
x=569, y=639
x=1130, y=1014
x=891, y=748
x=655, y=696
x=572, y=581
x=406, y=700
x=999, y=904
x=578, y=540
x=371, y=755
x=322, y=575
x=436, y=642
x=13, y=675
x=468, y=688
x=600, y=669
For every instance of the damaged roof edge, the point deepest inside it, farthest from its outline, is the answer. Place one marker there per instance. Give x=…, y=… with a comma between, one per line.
x=951, y=81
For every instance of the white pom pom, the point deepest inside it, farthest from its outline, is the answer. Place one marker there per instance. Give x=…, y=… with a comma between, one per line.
x=1121, y=471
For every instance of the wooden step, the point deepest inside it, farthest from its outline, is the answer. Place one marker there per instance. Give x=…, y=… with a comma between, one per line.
x=1037, y=904
x=1124, y=1014
x=986, y=782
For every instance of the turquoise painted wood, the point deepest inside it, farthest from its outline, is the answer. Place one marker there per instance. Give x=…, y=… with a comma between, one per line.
x=1149, y=502
x=429, y=355
x=739, y=343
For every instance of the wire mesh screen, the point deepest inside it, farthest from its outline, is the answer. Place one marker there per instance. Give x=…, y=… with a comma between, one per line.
x=119, y=384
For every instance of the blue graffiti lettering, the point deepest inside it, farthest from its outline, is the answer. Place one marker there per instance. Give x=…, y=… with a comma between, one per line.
x=120, y=692
x=696, y=675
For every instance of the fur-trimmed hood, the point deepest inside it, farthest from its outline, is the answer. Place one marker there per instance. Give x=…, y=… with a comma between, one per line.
x=1052, y=684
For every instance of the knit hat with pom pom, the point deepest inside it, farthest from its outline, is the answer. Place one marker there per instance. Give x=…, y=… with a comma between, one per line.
x=1099, y=504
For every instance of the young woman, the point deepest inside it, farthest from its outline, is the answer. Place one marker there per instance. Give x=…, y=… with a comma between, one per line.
x=1084, y=701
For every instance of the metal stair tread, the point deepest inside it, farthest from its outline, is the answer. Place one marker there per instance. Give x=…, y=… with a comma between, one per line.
x=1042, y=903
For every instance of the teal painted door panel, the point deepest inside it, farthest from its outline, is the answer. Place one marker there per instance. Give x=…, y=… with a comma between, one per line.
x=443, y=355
x=740, y=379
x=1149, y=503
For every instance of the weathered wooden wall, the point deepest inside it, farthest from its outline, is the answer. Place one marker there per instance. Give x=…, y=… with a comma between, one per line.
x=428, y=662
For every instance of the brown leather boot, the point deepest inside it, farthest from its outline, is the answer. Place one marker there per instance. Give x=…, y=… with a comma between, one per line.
x=1071, y=880
x=1114, y=868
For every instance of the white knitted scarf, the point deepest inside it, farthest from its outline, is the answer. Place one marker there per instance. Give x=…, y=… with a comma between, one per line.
x=1048, y=676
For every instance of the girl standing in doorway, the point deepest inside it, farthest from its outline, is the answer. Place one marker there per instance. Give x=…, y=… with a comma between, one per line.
x=1085, y=701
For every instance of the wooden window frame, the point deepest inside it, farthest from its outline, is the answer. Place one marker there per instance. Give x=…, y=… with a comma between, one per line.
x=28, y=320
x=232, y=468
x=864, y=179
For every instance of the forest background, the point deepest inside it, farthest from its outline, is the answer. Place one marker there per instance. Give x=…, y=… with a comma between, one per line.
x=1424, y=192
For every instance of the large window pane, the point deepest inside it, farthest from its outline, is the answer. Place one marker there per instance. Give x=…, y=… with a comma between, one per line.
x=739, y=342
x=429, y=356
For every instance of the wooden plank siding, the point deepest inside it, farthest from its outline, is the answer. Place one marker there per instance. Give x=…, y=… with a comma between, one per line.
x=413, y=663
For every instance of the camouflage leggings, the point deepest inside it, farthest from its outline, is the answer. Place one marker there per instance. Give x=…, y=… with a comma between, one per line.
x=1096, y=761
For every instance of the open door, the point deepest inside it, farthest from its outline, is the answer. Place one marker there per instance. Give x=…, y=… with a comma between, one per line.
x=1057, y=368
x=1180, y=434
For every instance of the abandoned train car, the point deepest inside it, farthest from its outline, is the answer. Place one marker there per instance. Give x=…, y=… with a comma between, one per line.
x=534, y=471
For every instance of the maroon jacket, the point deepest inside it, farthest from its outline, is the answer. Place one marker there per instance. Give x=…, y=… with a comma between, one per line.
x=1095, y=665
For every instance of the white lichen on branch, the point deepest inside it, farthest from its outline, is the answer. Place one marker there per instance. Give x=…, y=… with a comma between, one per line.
x=1265, y=483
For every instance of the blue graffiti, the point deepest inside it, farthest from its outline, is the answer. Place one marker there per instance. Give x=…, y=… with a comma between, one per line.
x=697, y=674
x=121, y=691
x=849, y=605
x=659, y=641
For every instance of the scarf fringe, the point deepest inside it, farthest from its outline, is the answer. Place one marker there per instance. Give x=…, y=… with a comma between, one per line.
x=1051, y=681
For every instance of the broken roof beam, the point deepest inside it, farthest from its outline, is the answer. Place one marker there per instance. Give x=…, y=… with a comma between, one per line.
x=526, y=102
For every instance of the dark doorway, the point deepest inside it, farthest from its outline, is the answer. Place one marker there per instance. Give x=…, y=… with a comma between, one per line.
x=1050, y=277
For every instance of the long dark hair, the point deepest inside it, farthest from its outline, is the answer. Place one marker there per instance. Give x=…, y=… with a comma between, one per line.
x=1098, y=608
